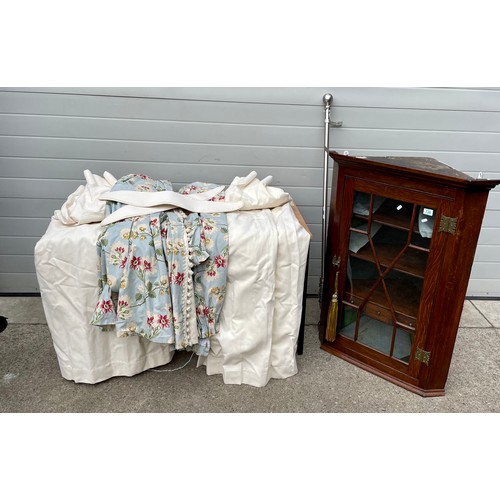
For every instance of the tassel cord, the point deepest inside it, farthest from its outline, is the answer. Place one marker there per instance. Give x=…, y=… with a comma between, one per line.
x=333, y=312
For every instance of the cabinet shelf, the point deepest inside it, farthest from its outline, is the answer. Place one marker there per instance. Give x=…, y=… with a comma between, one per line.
x=412, y=262
x=389, y=215
x=403, y=293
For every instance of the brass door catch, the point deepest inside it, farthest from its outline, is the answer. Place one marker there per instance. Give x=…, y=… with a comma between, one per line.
x=448, y=224
x=422, y=356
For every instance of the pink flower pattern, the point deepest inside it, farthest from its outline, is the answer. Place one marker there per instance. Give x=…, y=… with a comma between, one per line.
x=163, y=321
x=107, y=306
x=178, y=279
x=136, y=262
x=220, y=261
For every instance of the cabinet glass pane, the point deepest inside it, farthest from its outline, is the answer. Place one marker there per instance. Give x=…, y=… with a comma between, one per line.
x=389, y=245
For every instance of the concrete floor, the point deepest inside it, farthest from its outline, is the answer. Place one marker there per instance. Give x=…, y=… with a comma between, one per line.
x=31, y=381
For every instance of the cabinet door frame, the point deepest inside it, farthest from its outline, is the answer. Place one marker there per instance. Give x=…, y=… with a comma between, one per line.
x=340, y=247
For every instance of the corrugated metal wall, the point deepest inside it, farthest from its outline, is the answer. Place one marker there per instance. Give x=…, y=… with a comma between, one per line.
x=48, y=136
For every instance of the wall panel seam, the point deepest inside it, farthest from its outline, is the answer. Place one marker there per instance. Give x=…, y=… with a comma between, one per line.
x=97, y=139
x=160, y=120
x=158, y=98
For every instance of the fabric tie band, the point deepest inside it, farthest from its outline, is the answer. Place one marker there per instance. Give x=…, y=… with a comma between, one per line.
x=145, y=203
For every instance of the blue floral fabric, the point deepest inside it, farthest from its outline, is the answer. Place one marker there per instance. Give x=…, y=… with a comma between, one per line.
x=163, y=276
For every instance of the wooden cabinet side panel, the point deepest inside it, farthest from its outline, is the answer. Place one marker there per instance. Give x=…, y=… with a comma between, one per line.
x=452, y=287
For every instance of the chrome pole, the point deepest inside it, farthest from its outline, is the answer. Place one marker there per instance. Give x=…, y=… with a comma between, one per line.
x=327, y=101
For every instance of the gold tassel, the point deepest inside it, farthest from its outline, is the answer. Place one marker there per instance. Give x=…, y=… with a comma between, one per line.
x=333, y=312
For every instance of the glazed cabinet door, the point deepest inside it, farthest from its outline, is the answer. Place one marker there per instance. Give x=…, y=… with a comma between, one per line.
x=387, y=269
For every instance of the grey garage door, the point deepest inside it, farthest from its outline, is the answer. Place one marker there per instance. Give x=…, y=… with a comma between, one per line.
x=48, y=136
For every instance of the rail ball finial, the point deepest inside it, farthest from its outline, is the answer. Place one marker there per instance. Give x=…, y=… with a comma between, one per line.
x=327, y=99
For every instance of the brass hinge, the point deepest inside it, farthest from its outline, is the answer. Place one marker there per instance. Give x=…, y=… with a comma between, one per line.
x=448, y=224
x=422, y=356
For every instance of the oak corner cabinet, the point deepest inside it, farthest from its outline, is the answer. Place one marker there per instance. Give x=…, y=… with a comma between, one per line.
x=402, y=233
